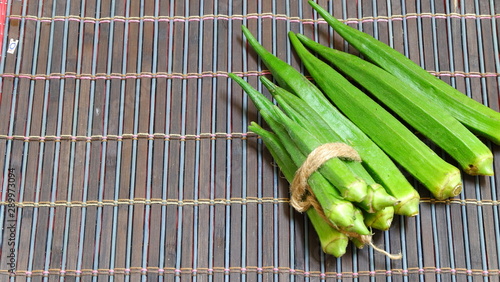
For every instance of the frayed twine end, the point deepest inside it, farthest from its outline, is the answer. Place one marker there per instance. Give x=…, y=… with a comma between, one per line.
x=367, y=240
x=389, y=255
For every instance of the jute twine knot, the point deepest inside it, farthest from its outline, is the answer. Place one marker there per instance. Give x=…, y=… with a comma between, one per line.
x=302, y=197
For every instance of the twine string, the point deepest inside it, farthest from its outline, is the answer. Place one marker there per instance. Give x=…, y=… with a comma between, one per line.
x=302, y=197
x=382, y=251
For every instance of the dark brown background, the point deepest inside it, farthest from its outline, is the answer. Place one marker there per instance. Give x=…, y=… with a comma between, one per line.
x=132, y=158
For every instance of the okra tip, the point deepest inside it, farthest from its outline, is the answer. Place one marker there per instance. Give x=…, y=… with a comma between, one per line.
x=377, y=199
x=382, y=199
x=409, y=205
x=253, y=123
x=451, y=188
x=483, y=166
x=341, y=214
x=232, y=75
x=244, y=29
x=380, y=220
x=359, y=227
x=268, y=84
x=261, y=51
x=357, y=242
x=356, y=191
x=336, y=247
x=293, y=38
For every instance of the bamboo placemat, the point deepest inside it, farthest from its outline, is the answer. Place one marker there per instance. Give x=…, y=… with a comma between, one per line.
x=125, y=152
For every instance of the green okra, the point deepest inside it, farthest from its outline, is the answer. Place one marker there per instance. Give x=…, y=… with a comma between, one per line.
x=381, y=219
x=376, y=197
x=438, y=176
x=429, y=119
x=357, y=242
x=359, y=228
x=351, y=187
x=275, y=65
x=476, y=116
x=332, y=241
x=340, y=212
x=335, y=170
x=259, y=100
x=320, y=136
x=380, y=166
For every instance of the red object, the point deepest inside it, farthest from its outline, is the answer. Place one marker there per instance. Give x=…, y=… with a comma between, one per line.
x=3, y=10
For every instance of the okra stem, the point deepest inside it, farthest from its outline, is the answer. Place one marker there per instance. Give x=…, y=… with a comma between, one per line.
x=332, y=241
x=381, y=219
x=359, y=228
x=376, y=199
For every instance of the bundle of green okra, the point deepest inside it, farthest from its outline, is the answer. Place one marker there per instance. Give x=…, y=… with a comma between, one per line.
x=357, y=186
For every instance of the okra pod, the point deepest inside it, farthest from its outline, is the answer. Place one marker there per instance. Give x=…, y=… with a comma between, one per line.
x=381, y=219
x=340, y=212
x=476, y=116
x=359, y=228
x=332, y=241
x=380, y=166
x=335, y=170
x=440, y=177
x=357, y=242
x=376, y=197
x=258, y=99
x=351, y=187
x=429, y=119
